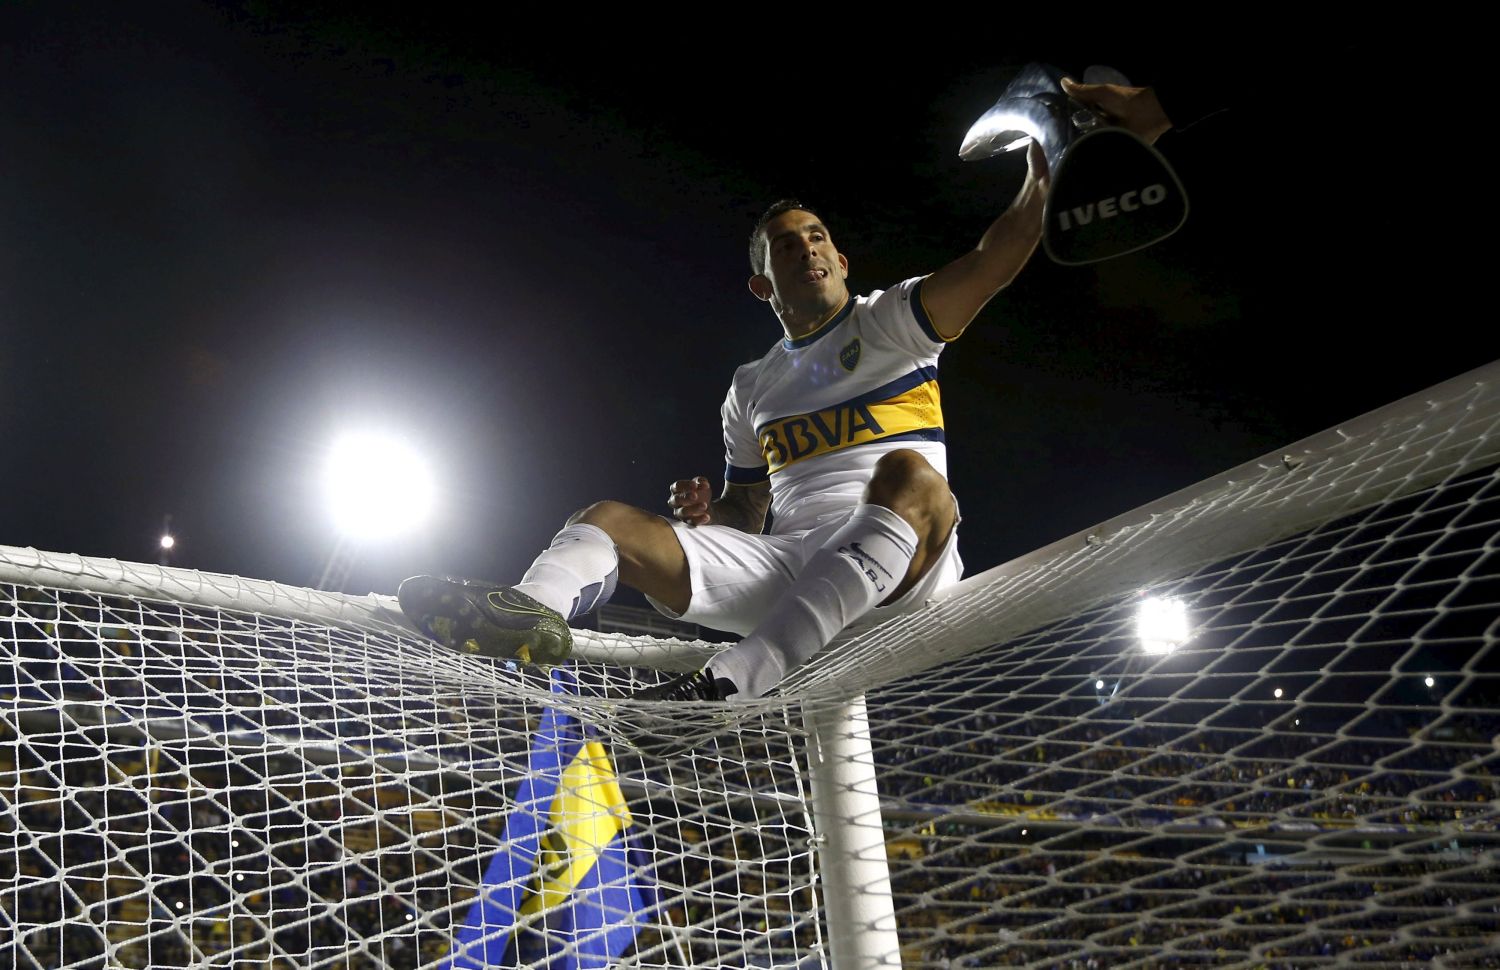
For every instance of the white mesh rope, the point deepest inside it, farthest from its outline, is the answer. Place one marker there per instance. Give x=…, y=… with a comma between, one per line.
x=199, y=770
x=188, y=785
x=1407, y=446
x=1310, y=780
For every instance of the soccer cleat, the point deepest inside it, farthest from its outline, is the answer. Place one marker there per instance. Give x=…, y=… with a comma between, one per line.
x=481, y=618
x=666, y=737
x=700, y=685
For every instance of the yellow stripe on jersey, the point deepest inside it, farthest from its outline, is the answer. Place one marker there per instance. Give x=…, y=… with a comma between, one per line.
x=910, y=413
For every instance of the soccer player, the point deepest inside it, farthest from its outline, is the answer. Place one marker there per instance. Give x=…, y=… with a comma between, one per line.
x=838, y=430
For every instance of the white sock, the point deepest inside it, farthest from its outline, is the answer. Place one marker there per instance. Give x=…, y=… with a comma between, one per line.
x=861, y=564
x=576, y=573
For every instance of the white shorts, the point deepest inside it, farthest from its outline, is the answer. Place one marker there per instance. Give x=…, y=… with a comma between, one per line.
x=737, y=577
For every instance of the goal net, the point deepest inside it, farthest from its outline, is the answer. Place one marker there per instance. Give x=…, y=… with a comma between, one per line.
x=1297, y=769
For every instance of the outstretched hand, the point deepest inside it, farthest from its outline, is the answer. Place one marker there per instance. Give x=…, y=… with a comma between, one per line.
x=688, y=499
x=1134, y=109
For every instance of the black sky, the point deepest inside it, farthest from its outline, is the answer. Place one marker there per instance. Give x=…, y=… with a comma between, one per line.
x=231, y=230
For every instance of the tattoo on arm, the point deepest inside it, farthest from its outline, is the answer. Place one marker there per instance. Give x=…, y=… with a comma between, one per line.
x=742, y=507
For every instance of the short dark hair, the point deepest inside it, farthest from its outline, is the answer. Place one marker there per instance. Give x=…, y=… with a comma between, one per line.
x=758, y=236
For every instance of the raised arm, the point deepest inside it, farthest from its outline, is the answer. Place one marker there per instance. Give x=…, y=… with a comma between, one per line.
x=740, y=507
x=955, y=294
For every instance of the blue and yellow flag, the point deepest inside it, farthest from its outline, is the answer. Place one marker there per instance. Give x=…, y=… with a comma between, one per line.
x=561, y=893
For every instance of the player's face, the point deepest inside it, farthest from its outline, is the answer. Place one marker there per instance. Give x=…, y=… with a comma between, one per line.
x=806, y=272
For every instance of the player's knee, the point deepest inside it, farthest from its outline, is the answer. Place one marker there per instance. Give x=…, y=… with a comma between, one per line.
x=631, y=529
x=614, y=518
x=908, y=485
x=904, y=475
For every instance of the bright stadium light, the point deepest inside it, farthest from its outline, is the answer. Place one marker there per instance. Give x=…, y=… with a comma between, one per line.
x=1429, y=681
x=1098, y=685
x=168, y=541
x=1276, y=693
x=377, y=486
x=1161, y=624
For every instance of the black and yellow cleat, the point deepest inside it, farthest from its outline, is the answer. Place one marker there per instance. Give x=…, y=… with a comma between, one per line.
x=485, y=619
x=700, y=685
x=679, y=730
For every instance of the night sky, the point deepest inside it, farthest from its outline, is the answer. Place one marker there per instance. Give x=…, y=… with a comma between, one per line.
x=231, y=231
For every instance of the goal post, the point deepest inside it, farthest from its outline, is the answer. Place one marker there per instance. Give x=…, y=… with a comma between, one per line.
x=204, y=770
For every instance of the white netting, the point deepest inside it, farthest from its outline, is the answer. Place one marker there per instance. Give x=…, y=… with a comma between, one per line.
x=192, y=777
x=192, y=786
x=1287, y=787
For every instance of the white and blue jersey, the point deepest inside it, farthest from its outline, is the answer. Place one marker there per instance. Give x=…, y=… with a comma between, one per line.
x=815, y=414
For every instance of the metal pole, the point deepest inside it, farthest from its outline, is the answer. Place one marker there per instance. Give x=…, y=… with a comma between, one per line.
x=851, y=839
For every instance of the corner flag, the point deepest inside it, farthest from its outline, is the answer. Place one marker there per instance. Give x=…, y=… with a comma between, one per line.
x=561, y=893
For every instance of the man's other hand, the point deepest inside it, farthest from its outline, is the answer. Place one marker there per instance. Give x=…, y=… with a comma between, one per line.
x=689, y=498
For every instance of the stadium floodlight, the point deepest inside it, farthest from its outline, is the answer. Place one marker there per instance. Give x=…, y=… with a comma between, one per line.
x=1161, y=624
x=377, y=486
x=168, y=541
x=1098, y=685
x=1276, y=693
x=1429, y=682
